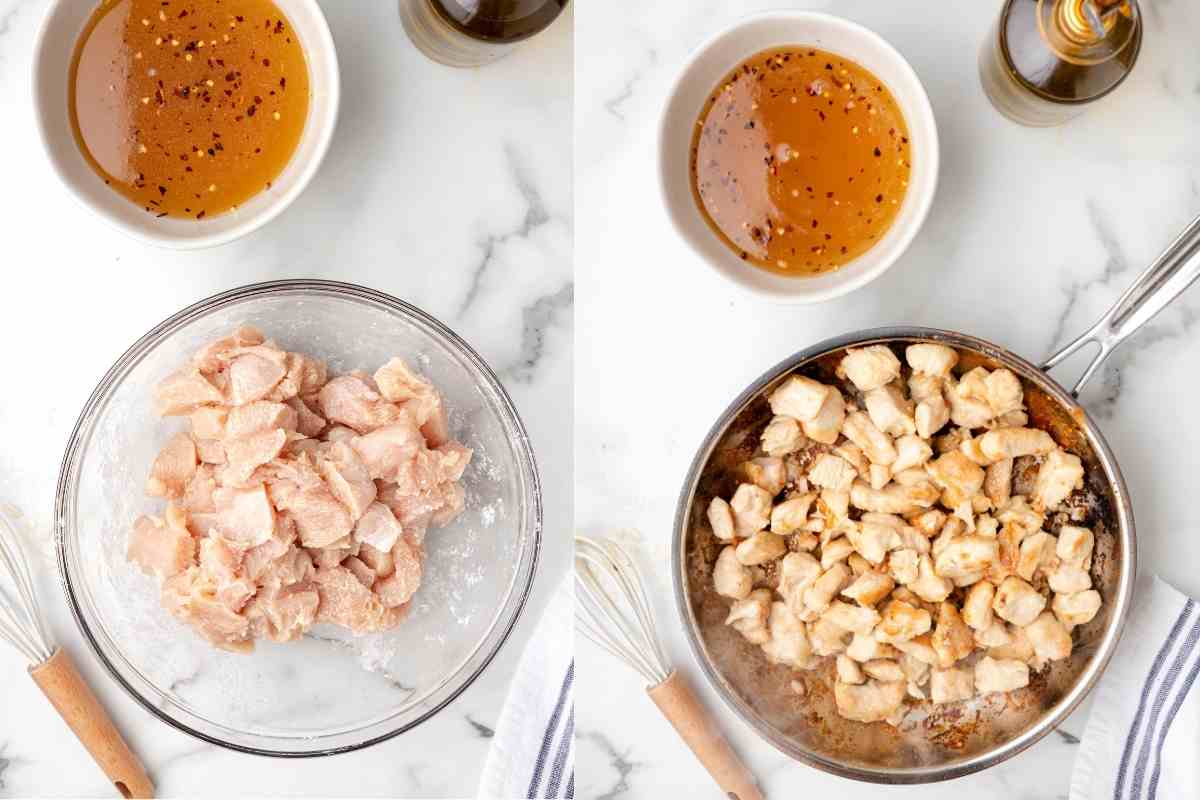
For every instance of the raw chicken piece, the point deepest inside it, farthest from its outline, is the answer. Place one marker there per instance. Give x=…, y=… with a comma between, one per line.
x=159, y=549
x=173, y=468
x=283, y=613
x=184, y=392
x=350, y=401
x=378, y=528
x=379, y=560
x=348, y=479
x=399, y=587
x=243, y=456
x=365, y=575
x=216, y=355
x=320, y=519
x=245, y=516
x=308, y=422
x=258, y=416
x=221, y=569
x=254, y=374
x=209, y=422
x=346, y=602
x=187, y=597
x=388, y=449
x=398, y=383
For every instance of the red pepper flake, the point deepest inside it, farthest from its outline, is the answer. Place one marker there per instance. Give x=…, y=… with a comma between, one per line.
x=200, y=215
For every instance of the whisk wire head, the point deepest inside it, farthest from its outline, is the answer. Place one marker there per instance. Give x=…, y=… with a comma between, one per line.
x=21, y=621
x=613, y=609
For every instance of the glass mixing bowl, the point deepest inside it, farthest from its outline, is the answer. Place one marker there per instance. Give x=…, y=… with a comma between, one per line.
x=328, y=692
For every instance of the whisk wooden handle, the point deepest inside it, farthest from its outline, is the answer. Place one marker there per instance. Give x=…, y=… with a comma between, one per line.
x=61, y=682
x=679, y=704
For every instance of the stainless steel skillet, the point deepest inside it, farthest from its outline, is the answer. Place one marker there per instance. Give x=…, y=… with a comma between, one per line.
x=794, y=711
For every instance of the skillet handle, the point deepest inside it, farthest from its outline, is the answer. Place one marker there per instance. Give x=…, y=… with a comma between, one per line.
x=1164, y=280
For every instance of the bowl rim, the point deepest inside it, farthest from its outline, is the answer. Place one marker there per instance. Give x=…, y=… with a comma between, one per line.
x=64, y=500
x=1088, y=677
x=324, y=128
x=922, y=108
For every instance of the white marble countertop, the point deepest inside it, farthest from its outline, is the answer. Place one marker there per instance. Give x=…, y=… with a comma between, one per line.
x=450, y=189
x=1032, y=235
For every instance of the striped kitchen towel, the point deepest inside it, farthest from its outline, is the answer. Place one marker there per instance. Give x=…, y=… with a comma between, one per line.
x=1142, y=740
x=533, y=751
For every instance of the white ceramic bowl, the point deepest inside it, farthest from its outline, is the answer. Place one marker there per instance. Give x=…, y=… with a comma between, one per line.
x=55, y=46
x=711, y=62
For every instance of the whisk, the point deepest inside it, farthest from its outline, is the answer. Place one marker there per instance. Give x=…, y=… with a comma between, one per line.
x=613, y=611
x=23, y=626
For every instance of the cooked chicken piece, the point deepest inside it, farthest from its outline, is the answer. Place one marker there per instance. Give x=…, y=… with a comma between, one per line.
x=1076, y=608
x=929, y=586
x=993, y=675
x=1050, y=639
x=720, y=519
x=1017, y=602
x=922, y=387
x=997, y=483
x=929, y=523
x=1060, y=474
x=959, y=478
x=877, y=445
x=931, y=415
x=919, y=648
x=1075, y=545
x=832, y=472
x=349, y=400
x=797, y=571
x=183, y=392
x=966, y=411
x=894, y=498
x=825, y=587
x=871, y=702
x=952, y=639
x=760, y=548
x=789, y=643
x=749, y=616
x=977, y=606
x=835, y=550
x=827, y=639
x=751, y=506
x=931, y=359
x=787, y=517
x=878, y=476
x=1019, y=647
x=826, y=426
x=1068, y=579
x=173, y=468
x=901, y=621
x=869, y=588
x=864, y=647
x=854, y=455
x=870, y=367
x=848, y=670
x=986, y=525
x=951, y=685
x=916, y=671
x=873, y=538
x=767, y=473
x=891, y=412
x=159, y=549
x=407, y=564
x=972, y=449
x=884, y=670
x=854, y=618
x=994, y=635
x=973, y=384
x=911, y=451
x=782, y=436
x=1036, y=550
x=1003, y=392
x=967, y=555
x=799, y=397
x=903, y=565
x=1003, y=443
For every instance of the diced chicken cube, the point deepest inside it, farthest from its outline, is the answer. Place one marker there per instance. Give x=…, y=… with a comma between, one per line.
x=997, y=482
x=884, y=669
x=832, y=472
x=254, y=374
x=826, y=426
x=1075, y=545
x=407, y=565
x=929, y=586
x=789, y=643
x=873, y=539
x=1017, y=602
x=854, y=618
x=977, y=606
x=173, y=468
x=911, y=451
x=825, y=587
x=1004, y=392
x=308, y=422
x=749, y=616
x=870, y=367
x=1068, y=579
x=951, y=685
x=931, y=415
x=827, y=639
x=967, y=555
x=346, y=602
x=952, y=639
x=1003, y=443
x=1036, y=550
x=869, y=588
x=255, y=417
x=283, y=613
x=731, y=578
x=1076, y=608
x=782, y=436
x=891, y=412
x=931, y=359
x=185, y=391
x=787, y=517
x=389, y=449
x=966, y=411
x=208, y=422
x=848, y=670
x=243, y=456
x=1060, y=474
x=160, y=549
x=751, y=506
x=870, y=702
x=767, y=473
x=799, y=397
x=1050, y=639
x=348, y=479
x=893, y=498
x=995, y=675
x=377, y=527
x=834, y=551
x=959, y=478
x=720, y=519
x=903, y=565
x=797, y=571
x=350, y=401
x=877, y=445
x=245, y=516
x=320, y=518
x=864, y=647
x=994, y=635
x=760, y=548
x=901, y=621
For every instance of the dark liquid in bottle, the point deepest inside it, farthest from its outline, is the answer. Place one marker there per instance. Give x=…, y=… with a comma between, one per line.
x=1052, y=69
x=499, y=21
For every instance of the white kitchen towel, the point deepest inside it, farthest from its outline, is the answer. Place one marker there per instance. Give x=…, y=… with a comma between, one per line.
x=533, y=751
x=1142, y=740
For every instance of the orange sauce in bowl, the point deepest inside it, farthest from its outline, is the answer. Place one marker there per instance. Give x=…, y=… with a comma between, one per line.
x=800, y=160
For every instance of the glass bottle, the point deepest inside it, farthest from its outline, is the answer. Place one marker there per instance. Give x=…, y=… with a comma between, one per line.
x=471, y=33
x=1046, y=60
